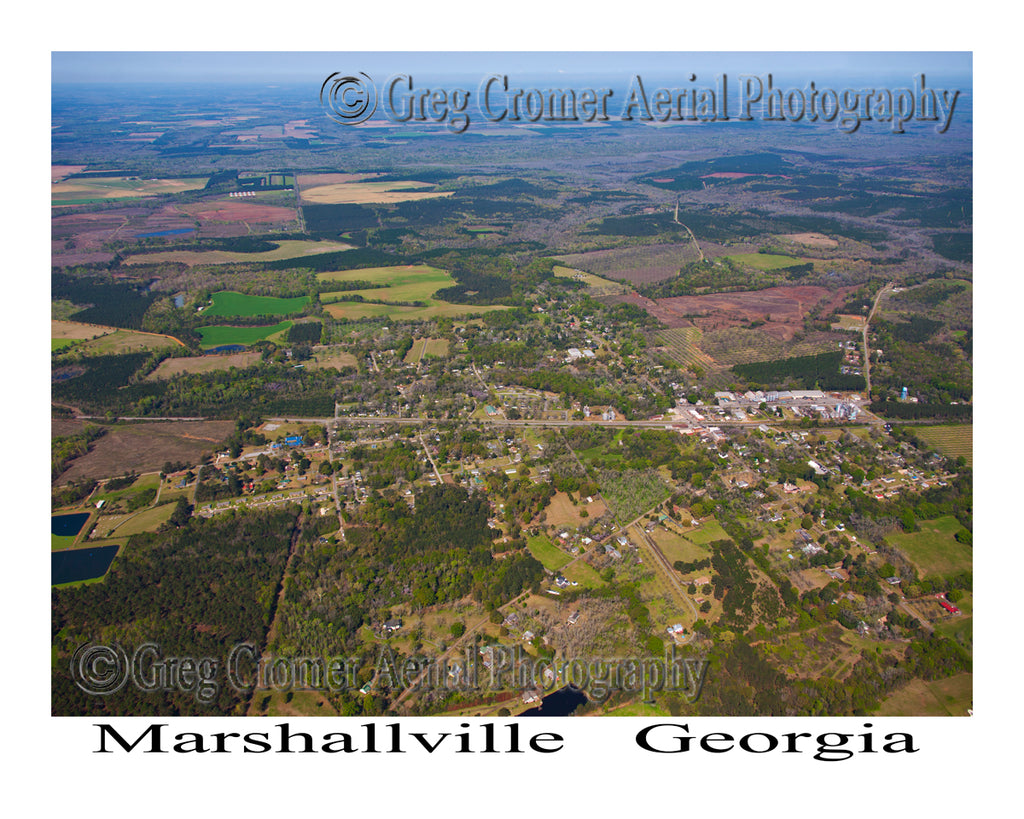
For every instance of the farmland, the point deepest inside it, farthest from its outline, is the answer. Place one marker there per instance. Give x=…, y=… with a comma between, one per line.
x=596, y=285
x=220, y=335
x=765, y=261
x=683, y=345
x=635, y=265
x=547, y=553
x=286, y=249
x=229, y=303
x=326, y=189
x=102, y=188
x=202, y=364
x=954, y=440
x=143, y=447
x=403, y=285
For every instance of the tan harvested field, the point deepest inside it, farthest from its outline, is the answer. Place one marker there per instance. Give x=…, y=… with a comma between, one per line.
x=59, y=172
x=69, y=192
x=848, y=322
x=144, y=446
x=331, y=357
x=562, y=512
x=202, y=364
x=952, y=696
x=596, y=285
x=364, y=193
x=810, y=239
x=78, y=330
x=286, y=249
x=311, y=180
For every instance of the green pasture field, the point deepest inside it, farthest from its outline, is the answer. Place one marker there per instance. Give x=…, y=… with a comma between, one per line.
x=953, y=440
x=404, y=283
x=598, y=285
x=286, y=249
x=145, y=520
x=638, y=709
x=584, y=574
x=82, y=191
x=230, y=303
x=61, y=343
x=127, y=341
x=766, y=261
x=707, y=532
x=933, y=549
x=676, y=547
x=951, y=696
x=547, y=553
x=217, y=335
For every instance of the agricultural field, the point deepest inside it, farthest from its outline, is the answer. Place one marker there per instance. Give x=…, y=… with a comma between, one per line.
x=220, y=335
x=766, y=261
x=327, y=189
x=596, y=285
x=952, y=696
x=228, y=303
x=563, y=512
x=330, y=356
x=143, y=447
x=133, y=523
x=635, y=265
x=849, y=323
x=171, y=367
x=739, y=345
x=71, y=331
x=810, y=239
x=934, y=550
x=104, y=188
x=403, y=283
x=683, y=345
x=127, y=341
x=953, y=440
x=286, y=249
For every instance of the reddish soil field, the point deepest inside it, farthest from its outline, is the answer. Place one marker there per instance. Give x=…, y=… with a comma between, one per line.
x=143, y=446
x=230, y=210
x=786, y=306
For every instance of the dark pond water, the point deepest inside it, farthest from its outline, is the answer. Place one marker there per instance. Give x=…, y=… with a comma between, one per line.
x=68, y=525
x=560, y=703
x=73, y=565
x=226, y=348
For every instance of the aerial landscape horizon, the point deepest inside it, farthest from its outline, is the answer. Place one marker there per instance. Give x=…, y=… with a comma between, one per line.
x=501, y=384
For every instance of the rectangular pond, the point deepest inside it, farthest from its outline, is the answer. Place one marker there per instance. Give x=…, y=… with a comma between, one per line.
x=73, y=565
x=68, y=525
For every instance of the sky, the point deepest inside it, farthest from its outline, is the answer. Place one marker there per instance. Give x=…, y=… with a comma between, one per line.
x=285, y=67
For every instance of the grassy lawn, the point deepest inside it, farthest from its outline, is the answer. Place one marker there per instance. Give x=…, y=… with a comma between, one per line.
x=547, y=553
x=229, y=303
x=938, y=698
x=765, y=261
x=933, y=549
x=217, y=335
x=584, y=574
x=638, y=709
x=676, y=547
x=708, y=531
x=145, y=520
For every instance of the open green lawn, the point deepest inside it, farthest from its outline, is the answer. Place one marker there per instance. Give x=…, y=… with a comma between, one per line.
x=766, y=261
x=933, y=549
x=676, y=547
x=61, y=343
x=708, y=531
x=547, y=553
x=584, y=574
x=217, y=335
x=229, y=303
